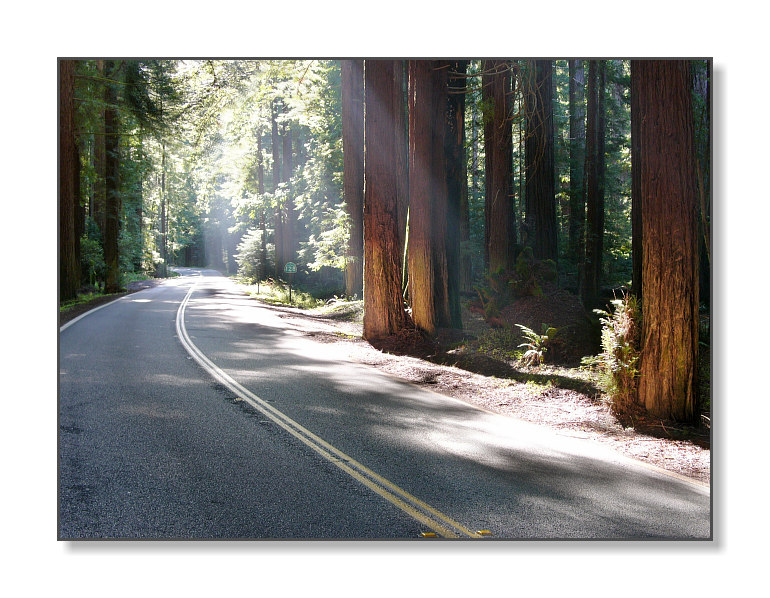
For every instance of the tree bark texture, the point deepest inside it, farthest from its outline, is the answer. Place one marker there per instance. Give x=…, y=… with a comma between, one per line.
x=401, y=162
x=421, y=190
x=667, y=384
x=353, y=168
x=540, y=184
x=577, y=140
x=496, y=86
x=594, y=204
x=69, y=266
x=384, y=313
x=457, y=184
x=112, y=208
x=636, y=198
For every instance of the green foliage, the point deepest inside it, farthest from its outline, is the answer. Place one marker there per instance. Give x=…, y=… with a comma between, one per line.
x=618, y=361
x=536, y=345
x=92, y=263
x=277, y=293
x=252, y=264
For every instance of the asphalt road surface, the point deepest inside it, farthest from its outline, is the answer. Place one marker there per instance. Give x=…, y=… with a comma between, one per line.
x=189, y=411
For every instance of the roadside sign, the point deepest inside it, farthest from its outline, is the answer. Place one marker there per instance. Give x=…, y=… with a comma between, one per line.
x=290, y=268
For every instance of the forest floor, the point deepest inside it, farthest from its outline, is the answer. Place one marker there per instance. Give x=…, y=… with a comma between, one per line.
x=564, y=399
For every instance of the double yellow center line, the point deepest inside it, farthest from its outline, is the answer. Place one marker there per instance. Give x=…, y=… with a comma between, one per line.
x=432, y=518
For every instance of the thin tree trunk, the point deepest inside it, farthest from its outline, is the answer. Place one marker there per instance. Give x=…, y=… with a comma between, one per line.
x=261, y=191
x=163, y=231
x=100, y=189
x=290, y=214
x=112, y=209
x=353, y=166
x=402, y=152
x=577, y=135
x=591, y=264
x=636, y=197
x=278, y=233
x=384, y=313
x=69, y=266
x=667, y=383
x=457, y=184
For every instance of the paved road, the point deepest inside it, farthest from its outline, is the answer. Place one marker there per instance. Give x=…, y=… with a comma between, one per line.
x=189, y=411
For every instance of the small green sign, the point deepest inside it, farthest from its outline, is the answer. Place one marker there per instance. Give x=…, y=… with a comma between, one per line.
x=290, y=267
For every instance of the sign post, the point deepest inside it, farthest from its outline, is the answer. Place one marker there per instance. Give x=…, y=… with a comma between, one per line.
x=290, y=268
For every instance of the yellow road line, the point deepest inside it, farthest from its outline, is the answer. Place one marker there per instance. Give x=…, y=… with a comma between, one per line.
x=419, y=510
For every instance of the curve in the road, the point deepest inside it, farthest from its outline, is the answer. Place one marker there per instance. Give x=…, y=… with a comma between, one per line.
x=419, y=510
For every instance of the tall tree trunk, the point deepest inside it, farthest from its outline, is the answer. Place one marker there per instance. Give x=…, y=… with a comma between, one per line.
x=69, y=266
x=278, y=233
x=163, y=218
x=702, y=89
x=112, y=208
x=421, y=189
x=440, y=199
x=636, y=198
x=353, y=167
x=260, y=164
x=594, y=204
x=667, y=383
x=261, y=191
x=466, y=262
x=496, y=87
x=457, y=184
x=402, y=152
x=290, y=215
x=100, y=190
x=384, y=313
x=540, y=185
x=577, y=137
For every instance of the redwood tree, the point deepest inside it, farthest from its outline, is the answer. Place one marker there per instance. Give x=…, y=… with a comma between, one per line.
x=496, y=86
x=594, y=194
x=539, y=151
x=384, y=313
x=69, y=266
x=457, y=184
x=421, y=150
x=353, y=170
x=667, y=383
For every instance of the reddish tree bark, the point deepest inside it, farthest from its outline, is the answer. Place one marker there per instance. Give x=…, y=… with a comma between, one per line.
x=384, y=313
x=540, y=185
x=457, y=185
x=496, y=85
x=594, y=235
x=667, y=383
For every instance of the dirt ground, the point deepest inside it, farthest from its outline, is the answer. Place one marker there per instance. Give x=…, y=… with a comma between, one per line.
x=573, y=412
x=534, y=395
